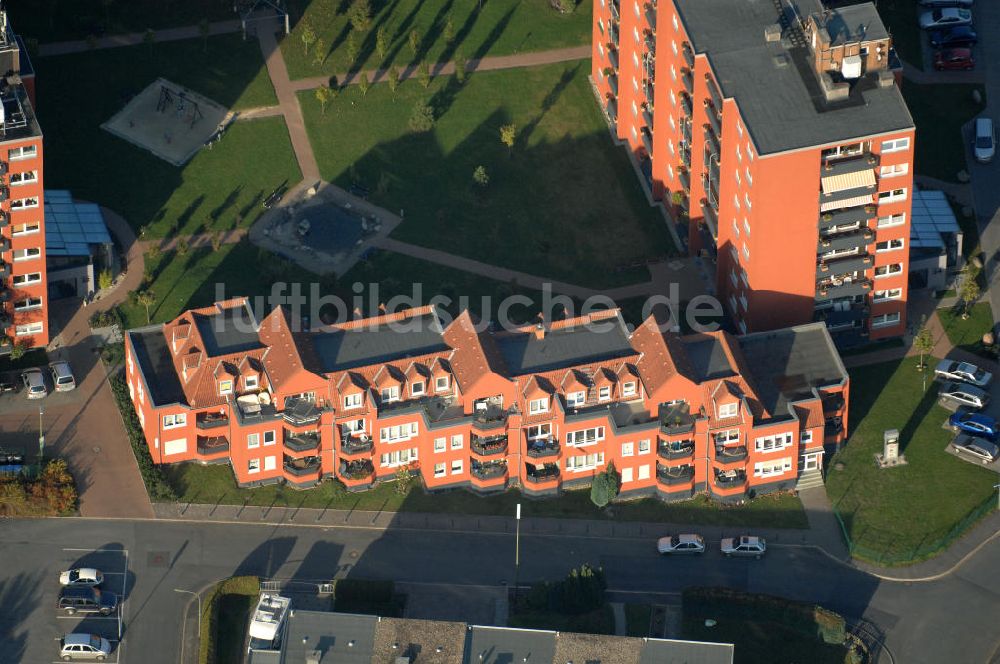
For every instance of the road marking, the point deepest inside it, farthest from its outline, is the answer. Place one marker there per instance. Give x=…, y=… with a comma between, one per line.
x=669, y=593
x=125, y=551
x=84, y=616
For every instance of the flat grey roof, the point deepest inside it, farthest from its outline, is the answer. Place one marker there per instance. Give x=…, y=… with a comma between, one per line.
x=506, y=645
x=787, y=364
x=153, y=355
x=344, y=638
x=708, y=359
x=669, y=651
x=525, y=353
x=372, y=344
x=783, y=105
x=232, y=330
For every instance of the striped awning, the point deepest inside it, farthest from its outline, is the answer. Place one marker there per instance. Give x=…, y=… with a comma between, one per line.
x=844, y=181
x=845, y=203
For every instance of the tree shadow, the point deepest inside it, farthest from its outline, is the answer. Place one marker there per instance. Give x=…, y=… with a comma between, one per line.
x=495, y=33
x=550, y=100
x=460, y=36
x=229, y=201
x=19, y=595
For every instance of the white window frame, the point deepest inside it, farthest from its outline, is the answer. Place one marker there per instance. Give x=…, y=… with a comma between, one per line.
x=398, y=432
x=896, y=145
x=27, y=228
x=575, y=399
x=626, y=475
x=773, y=443
x=539, y=431
x=891, y=245
x=442, y=383
x=270, y=437
x=253, y=466
x=885, y=320
x=23, y=152
x=727, y=436
x=628, y=449
x=174, y=421
x=226, y=386
x=440, y=444
x=397, y=458
x=771, y=468
x=28, y=303
x=585, y=437
x=417, y=388
x=27, y=254
x=889, y=271
x=645, y=447
x=270, y=463
x=644, y=472
x=536, y=406
x=253, y=441
x=27, y=279
x=894, y=170
x=440, y=469
x=457, y=440
x=24, y=203
x=251, y=382
x=891, y=220
x=892, y=196
x=604, y=393
x=727, y=410
x=390, y=393
x=353, y=400
x=27, y=177
x=584, y=462
x=887, y=295
x=806, y=436
x=629, y=389
x=457, y=467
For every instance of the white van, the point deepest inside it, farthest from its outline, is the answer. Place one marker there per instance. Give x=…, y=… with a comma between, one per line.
x=985, y=144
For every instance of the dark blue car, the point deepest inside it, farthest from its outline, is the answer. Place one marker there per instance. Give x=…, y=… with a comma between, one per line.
x=960, y=36
x=975, y=424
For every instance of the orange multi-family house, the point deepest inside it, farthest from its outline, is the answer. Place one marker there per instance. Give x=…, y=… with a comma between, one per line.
x=540, y=407
x=777, y=135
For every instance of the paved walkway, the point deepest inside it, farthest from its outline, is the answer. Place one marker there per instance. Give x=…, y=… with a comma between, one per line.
x=136, y=38
x=621, y=624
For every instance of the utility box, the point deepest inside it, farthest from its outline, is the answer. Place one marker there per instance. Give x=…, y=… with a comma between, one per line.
x=890, y=456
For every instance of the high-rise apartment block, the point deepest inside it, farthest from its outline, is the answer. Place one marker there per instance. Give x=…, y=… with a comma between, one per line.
x=777, y=135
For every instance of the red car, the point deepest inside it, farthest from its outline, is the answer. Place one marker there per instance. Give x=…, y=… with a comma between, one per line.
x=954, y=58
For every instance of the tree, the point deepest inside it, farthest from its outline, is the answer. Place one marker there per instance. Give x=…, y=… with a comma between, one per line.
x=360, y=14
x=414, y=42
x=564, y=6
x=308, y=36
x=393, y=79
x=404, y=477
x=969, y=291
x=183, y=246
x=449, y=30
x=422, y=117
x=508, y=134
x=204, y=29
x=146, y=298
x=352, y=50
x=460, y=65
x=104, y=279
x=149, y=38
x=424, y=74
x=381, y=42
x=319, y=53
x=363, y=83
x=480, y=176
x=605, y=486
x=17, y=351
x=923, y=343
x=324, y=95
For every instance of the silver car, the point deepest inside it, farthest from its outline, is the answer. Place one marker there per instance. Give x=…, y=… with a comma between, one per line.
x=966, y=395
x=745, y=545
x=84, y=646
x=962, y=372
x=62, y=376
x=978, y=449
x=82, y=576
x=34, y=383
x=674, y=544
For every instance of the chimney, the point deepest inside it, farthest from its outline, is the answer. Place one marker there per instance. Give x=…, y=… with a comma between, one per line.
x=885, y=78
x=772, y=33
x=314, y=657
x=539, y=330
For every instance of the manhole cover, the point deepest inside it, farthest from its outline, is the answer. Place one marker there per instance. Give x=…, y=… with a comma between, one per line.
x=354, y=554
x=97, y=449
x=158, y=558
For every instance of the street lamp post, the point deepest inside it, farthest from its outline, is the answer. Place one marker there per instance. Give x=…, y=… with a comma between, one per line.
x=41, y=436
x=198, y=597
x=517, y=550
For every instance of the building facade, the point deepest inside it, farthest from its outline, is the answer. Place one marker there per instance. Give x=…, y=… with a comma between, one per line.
x=23, y=297
x=541, y=407
x=776, y=134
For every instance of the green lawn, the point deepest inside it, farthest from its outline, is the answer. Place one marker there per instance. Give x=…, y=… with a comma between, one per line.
x=637, y=618
x=939, y=111
x=234, y=610
x=494, y=27
x=900, y=515
x=565, y=203
x=968, y=334
x=214, y=484
x=900, y=17
x=599, y=621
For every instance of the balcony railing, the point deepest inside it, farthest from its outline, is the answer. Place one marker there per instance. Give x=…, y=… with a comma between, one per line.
x=647, y=115
x=613, y=57
x=4, y=244
x=685, y=153
x=711, y=145
x=671, y=451
x=540, y=474
x=843, y=318
x=674, y=475
x=713, y=91
x=489, y=470
x=356, y=445
x=688, y=54
x=676, y=418
x=647, y=92
x=356, y=470
x=615, y=12
x=647, y=140
x=613, y=34
x=851, y=288
x=208, y=445
x=650, y=42
x=685, y=178
x=725, y=454
x=843, y=217
x=651, y=15
x=844, y=163
x=687, y=78
x=4, y=220
x=714, y=117
x=730, y=479
x=543, y=447
x=301, y=442
x=488, y=446
x=834, y=267
x=613, y=84
x=299, y=412
x=711, y=218
x=841, y=241
x=686, y=105
x=4, y=270
x=211, y=420
x=833, y=404
x=302, y=467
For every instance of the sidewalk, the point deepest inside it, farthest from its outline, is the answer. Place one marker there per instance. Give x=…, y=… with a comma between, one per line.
x=135, y=38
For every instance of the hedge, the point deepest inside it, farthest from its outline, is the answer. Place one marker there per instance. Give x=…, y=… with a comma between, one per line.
x=582, y=591
x=157, y=487
x=236, y=585
x=369, y=597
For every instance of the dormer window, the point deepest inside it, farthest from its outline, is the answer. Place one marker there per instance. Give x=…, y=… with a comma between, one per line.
x=628, y=389
x=417, y=388
x=225, y=386
x=728, y=410
x=441, y=383
x=538, y=406
x=250, y=382
x=604, y=394
x=575, y=399
x=352, y=400
x=390, y=394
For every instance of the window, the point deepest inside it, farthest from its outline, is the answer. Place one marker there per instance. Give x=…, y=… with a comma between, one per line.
x=398, y=458
x=439, y=470
x=398, y=432
x=885, y=320
x=644, y=472
x=24, y=203
x=225, y=387
x=732, y=278
x=746, y=199
x=390, y=394
x=892, y=196
x=730, y=436
x=768, y=468
x=456, y=441
x=739, y=181
x=732, y=303
x=417, y=388
x=585, y=436
x=746, y=225
x=25, y=279
x=28, y=304
x=628, y=449
x=604, y=393
x=440, y=444
x=626, y=475
x=583, y=462
x=673, y=46
x=736, y=228
x=806, y=436
x=736, y=201
x=673, y=98
x=253, y=440
x=253, y=466
x=575, y=399
x=749, y=151
x=894, y=171
x=628, y=389
x=26, y=228
x=739, y=128
x=174, y=421
x=743, y=302
x=888, y=245
x=749, y=177
x=896, y=145
x=26, y=177
x=673, y=123
x=773, y=443
x=539, y=431
x=673, y=72
x=635, y=109
x=892, y=220
x=456, y=467
x=670, y=171
x=891, y=294
x=743, y=278
x=728, y=410
x=270, y=463
x=26, y=152
x=538, y=406
x=676, y=25
x=746, y=251
x=888, y=270
x=250, y=382
x=27, y=254
x=739, y=153
x=269, y=438
x=644, y=446
x=441, y=383
x=353, y=400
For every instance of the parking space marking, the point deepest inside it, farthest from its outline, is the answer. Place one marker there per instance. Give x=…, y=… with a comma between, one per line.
x=118, y=644
x=125, y=551
x=86, y=617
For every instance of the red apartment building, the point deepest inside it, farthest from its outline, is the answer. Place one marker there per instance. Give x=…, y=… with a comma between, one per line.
x=540, y=407
x=777, y=134
x=23, y=297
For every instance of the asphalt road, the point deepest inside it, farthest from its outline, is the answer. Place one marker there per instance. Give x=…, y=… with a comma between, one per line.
x=923, y=622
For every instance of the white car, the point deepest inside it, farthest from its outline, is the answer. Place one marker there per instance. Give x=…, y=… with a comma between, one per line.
x=84, y=646
x=979, y=449
x=83, y=576
x=963, y=372
x=945, y=18
x=34, y=383
x=62, y=376
x=745, y=545
x=966, y=395
x=688, y=543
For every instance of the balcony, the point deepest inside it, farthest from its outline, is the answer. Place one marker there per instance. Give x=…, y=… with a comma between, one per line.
x=687, y=78
x=845, y=265
x=613, y=57
x=686, y=105
x=711, y=146
x=211, y=420
x=5, y=321
x=837, y=319
x=714, y=117
x=210, y=445
x=688, y=54
x=356, y=470
x=615, y=12
x=302, y=442
x=647, y=92
x=540, y=448
x=650, y=42
x=676, y=418
x=834, y=426
x=488, y=446
x=851, y=288
x=647, y=140
x=713, y=91
x=847, y=163
x=651, y=15
x=613, y=34
x=488, y=470
x=841, y=241
x=4, y=270
x=302, y=467
x=833, y=403
x=300, y=412
x=674, y=475
x=730, y=479
x=685, y=132
x=4, y=194
x=613, y=84
x=648, y=68
x=647, y=115
x=711, y=218
x=685, y=178
x=611, y=108
x=541, y=474
x=356, y=444
x=4, y=220
x=679, y=449
x=4, y=244
x=685, y=153
x=730, y=454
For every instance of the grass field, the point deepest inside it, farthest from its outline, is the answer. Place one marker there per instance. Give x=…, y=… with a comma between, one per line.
x=893, y=513
x=968, y=334
x=563, y=203
x=494, y=27
x=939, y=111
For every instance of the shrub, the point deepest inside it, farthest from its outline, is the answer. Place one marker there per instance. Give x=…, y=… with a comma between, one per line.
x=360, y=14
x=105, y=280
x=107, y=318
x=422, y=118
x=580, y=592
x=157, y=487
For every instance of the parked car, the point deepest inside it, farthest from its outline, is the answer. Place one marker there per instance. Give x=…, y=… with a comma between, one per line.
x=62, y=377
x=82, y=576
x=976, y=448
x=87, y=600
x=959, y=36
x=985, y=145
x=84, y=646
x=975, y=424
x=945, y=18
x=688, y=543
x=745, y=545
x=967, y=4
x=965, y=395
x=34, y=383
x=954, y=58
x=963, y=372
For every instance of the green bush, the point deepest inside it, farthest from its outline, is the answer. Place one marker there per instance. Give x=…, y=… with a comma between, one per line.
x=157, y=487
x=112, y=316
x=236, y=585
x=580, y=592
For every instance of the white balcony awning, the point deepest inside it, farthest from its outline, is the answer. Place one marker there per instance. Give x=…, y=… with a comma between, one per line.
x=846, y=203
x=845, y=181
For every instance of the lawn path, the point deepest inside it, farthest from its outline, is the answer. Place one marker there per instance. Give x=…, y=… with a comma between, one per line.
x=135, y=38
